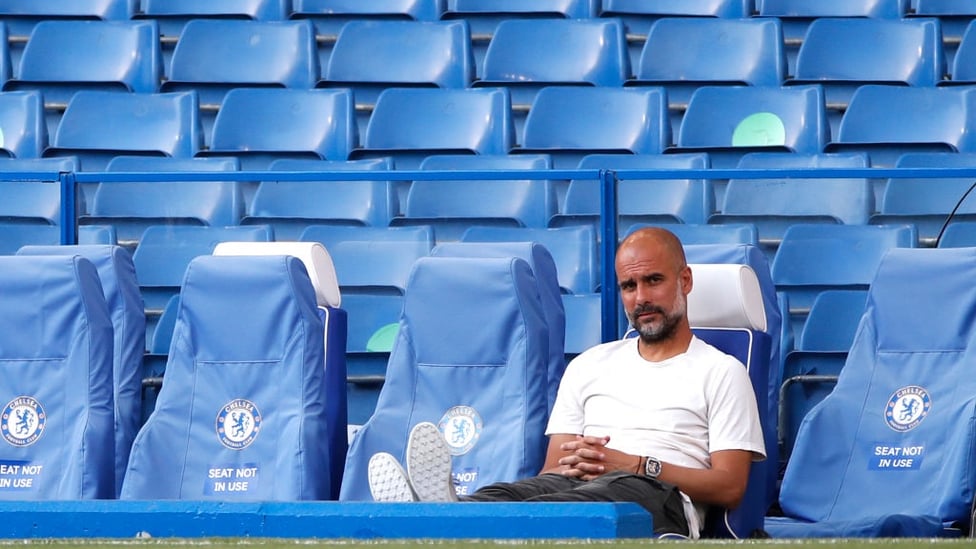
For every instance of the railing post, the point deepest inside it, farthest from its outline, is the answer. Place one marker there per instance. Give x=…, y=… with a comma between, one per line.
x=608, y=243
x=69, y=201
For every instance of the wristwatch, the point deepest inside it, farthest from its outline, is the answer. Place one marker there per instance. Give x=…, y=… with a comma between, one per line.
x=652, y=467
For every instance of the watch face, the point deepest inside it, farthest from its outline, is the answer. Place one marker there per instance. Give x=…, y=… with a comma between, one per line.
x=652, y=467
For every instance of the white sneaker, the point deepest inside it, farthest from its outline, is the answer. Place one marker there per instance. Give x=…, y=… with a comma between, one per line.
x=387, y=479
x=429, y=464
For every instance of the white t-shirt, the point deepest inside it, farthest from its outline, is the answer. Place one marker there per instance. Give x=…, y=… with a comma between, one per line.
x=678, y=410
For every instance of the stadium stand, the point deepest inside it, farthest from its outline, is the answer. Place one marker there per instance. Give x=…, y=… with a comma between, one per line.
x=261, y=125
x=23, y=124
x=117, y=275
x=409, y=124
x=56, y=334
x=273, y=440
x=436, y=361
x=370, y=56
x=30, y=212
x=901, y=405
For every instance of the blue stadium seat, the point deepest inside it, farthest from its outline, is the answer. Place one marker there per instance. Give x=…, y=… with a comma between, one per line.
x=220, y=431
x=773, y=205
x=685, y=53
x=133, y=206
x=641, y=200
x=726, y=233
x=569, y=123
x=118, y=279
x=260, y=125
x=30, y=212
x=900, y=419
x=954, y=15
x=888, y=121
x=213, y=56
x=960, y=234
x=961, y=69
x=484, y=17
x=6, y=62
x=543, y=267
x=290, y=206
x=452, y=206
x=525, y=55
x=927, y=202
x=376, y=267
x=584, y=322
x=639, y=15
x=436, y=360
x=370, y=56
x=20, y=16
x=98, y=126
x=796, y=16
x=409, y=124
x=842, y=54
x=574, y=249
x=330, y=235
x=730, y=121
x=23, y=124
x=62, y=57
x=815, y=258
x=56, y=351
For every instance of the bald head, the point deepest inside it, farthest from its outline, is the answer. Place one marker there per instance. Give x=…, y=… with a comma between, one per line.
x=661, y=241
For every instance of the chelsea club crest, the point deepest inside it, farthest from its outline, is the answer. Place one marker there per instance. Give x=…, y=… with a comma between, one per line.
x=907, y=407
x=461, y=426
x=23, y=421
x=238, y=424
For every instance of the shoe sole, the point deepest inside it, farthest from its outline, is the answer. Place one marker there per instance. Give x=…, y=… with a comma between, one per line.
x=388, y=481
x=429, y=464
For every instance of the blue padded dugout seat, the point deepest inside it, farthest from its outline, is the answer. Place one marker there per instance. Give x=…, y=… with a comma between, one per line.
x=730, y=121
x=643, y=200
x=132, y=206
x=370, y=56
x=525, y=55
x=568, y=123
x=56, y=388
x=452, y=373
x=574, y=249
x=99, y=125
x=213, y=56
x=774, y=204
x=291, y=206
x=452, y=206
x=814, y=258
x=219, y=430
x=260, y=125
x=685, y=53
x=117, y=274
x=899, y=420
x=23, y=124
x=842, y=54
x=409, y=124
x=544, y=268
x=62, y=57
x=927, y=202
x=888, y=121
x=30, y=212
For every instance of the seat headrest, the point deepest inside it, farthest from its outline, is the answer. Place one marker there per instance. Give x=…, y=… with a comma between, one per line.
x=725, y=296
x=317, y=262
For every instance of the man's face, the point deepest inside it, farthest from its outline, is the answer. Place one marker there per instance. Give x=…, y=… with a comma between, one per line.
x=653, y=294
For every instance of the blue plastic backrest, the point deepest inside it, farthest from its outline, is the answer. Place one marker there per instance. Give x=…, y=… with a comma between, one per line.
x=631, y=120
x=449, y=373
x=34, y=201
x=557, y=51
x=716, y=112
x=684, y=200
x=219, y=430
x=402, y=52
x=420, y=10
x=928, y=195
x=56, y=388
x=569, y=9
x=904, y=51
x=726, y=233
x=890, y=9
x=23, y=125
x=706, y=8
x=962, y=63
x=314, y=123
x=117, y=274
x=376, y=266
x=6, y=62
x=743, y=51
x=900, y=419
x=885, y=115
x=124, y=56
x=96, y=9
x=848, y=200
x=163, y=124
x=260, y=10
x=477, y=121
x=543, y=266
x=330, y=235
x=833, y=321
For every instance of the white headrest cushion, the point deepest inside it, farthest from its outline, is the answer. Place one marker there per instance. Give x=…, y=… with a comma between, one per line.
x=317, y=262
x=725, y=296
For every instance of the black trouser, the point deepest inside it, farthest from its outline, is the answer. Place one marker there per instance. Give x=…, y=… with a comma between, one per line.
x=662, y=500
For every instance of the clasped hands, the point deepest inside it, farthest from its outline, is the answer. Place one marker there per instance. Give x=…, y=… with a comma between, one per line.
x=588, y=457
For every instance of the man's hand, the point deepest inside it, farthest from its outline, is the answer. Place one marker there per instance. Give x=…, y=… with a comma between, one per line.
x=588, y=457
